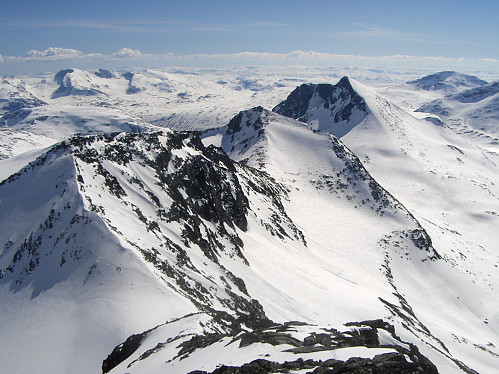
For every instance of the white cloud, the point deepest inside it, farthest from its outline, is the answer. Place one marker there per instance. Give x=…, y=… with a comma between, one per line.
x=53, y=53
x=127, y=52
x=78, y=59
x=377, y=32
x=61, y=54
x=493, y=60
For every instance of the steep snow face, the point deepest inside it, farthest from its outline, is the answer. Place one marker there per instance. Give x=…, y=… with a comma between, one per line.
x=448, y=82
x=451, y=187
x=323, y=177
x=407, y=154
x=449, y=184
x=332, y=108
x=69, y=288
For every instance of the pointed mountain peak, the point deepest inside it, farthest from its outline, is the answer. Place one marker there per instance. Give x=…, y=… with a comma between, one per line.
x=326, y=107
x=244, y=130
x=344, y=82
x=246, y=118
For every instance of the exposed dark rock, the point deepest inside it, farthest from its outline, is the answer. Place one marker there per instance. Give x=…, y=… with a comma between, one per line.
x=422, y=240
x=13, y=118
x=273, y=338
x=122, y=352
x=402, y=360
x=298, y=101
x=208, y=202
x=197, y=342
x=323, y=339
x=340, y=100
x=387, y=363
x=18, y=103
x=374, y=324
x=252, y=117
x=132, y=89
x=477, y=94
x=61, y=74
x=128, y=76
x=102, y=73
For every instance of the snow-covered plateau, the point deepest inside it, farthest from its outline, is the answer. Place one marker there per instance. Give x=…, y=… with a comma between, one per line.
x=249, y=220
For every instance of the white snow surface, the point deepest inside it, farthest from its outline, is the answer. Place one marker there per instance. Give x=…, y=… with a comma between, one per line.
x=70, y=315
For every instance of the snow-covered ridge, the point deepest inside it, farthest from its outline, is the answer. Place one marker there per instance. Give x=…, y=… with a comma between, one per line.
x=126, y=207
x=290, y=346
x=184, y=216
x=474, y=95
x=177, y=252
x=416, y=160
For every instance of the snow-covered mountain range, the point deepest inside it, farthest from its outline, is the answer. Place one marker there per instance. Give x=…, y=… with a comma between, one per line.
x=344, y=230
x=473, y=113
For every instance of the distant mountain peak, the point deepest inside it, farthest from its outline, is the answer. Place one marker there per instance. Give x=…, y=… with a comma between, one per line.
x=75, y=82
x=326, y=107
x=131, y=88
x=448, y=81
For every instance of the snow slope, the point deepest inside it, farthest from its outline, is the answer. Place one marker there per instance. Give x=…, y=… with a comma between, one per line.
x=123, y=232
x=365, y=256
x=450, y=185
x=408, y=154
x=170, y=249
x=153, y=220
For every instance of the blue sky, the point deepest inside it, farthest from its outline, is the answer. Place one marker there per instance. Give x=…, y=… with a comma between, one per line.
x=42, y=34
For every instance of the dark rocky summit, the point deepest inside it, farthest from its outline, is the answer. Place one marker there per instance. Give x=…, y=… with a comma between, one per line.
x=333, y=108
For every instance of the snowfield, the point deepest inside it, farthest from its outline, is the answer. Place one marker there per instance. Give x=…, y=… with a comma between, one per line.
x=169, y=221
